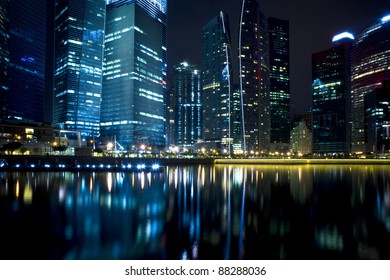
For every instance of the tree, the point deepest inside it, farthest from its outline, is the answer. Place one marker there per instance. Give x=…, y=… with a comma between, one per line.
x=12, y=147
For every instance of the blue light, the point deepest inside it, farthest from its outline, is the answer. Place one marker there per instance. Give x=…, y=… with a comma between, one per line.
x=344, y=35
x=47, y=165
x=155, y=166
x=385, y=18
x=32, y=165
x=140, y=166
x=17, y=165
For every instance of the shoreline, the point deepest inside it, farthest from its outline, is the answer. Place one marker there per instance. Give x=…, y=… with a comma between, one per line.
x=89, y=163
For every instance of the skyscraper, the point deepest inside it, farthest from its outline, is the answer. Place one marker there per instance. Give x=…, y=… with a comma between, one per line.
x=331, y=78
x=79, y=38
x=217, y=82
x=188, y=109
x=254, y=76
x=4, y=57
x=377, y=119
x=134, y=83
x=279, y=53
x=370, y=66
x=24, y=31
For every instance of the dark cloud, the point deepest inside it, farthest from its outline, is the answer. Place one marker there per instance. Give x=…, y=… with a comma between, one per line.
x=312, y=26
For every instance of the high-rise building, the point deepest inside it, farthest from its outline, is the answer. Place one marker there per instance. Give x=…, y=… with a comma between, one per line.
x=188, y=109
x=4, y=57
x=279, y=53
x=217, y=82
x=254, y=77
x=79, y=38
x=23, y=30
x=377, y=119
x=134, y=84
x=331, y=78
x=370, y=66
x=301, y=139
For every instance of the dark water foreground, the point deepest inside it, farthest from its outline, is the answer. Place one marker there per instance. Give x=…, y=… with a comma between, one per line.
x=198, y=212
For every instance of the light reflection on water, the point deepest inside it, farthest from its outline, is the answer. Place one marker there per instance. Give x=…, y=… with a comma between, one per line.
x=198, y=212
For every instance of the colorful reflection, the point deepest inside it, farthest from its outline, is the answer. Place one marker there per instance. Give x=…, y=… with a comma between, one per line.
x=198, y=212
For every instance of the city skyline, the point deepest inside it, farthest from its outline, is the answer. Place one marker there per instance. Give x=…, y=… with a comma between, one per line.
x=312, y=17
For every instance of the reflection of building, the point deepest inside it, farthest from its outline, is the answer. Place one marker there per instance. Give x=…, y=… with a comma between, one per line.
x=301, y=139
x=279, y=53
x=216, y=81
x=331, y=90
x=377, y=119
x=254, y=76
x=79, y=35
x=370, y=66
x=134, y=83
x=188, y=109
x=23, y=42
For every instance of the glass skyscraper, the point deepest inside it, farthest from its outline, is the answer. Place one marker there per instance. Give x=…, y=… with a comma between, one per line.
x=254, y=77
x=79, y=38
x=217, y=86
x=370, y=66
x=279, y=53
x=331, y=89
x=23, y=30
x=4, y=57
x=134, y=84
x=188, y=108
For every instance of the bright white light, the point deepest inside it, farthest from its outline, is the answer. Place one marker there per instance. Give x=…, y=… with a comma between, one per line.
x=385, y=18
x=155, y=166
x=343, y=35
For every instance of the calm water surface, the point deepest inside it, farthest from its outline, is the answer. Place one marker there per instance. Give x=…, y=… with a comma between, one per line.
x=198, y=212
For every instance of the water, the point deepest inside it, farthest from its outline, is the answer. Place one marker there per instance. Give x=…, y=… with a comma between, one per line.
x=198, y=212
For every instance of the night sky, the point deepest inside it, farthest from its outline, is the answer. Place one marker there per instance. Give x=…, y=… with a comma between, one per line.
x=312, y=27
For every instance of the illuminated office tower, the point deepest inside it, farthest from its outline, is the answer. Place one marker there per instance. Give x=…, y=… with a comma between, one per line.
x=216, y=88
x=79, y=37
x=4, y=57
x=377, y=119
x=279, y=53
x=24, y=31
x=331, y=76
x=254, y=77
x=188, y=108
x=370, y=66
x=134, y=83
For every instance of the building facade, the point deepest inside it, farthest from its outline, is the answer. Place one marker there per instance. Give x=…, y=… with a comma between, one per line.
x=331, y=90
x=79, y=40
x=24, y=32
x=370, y=66
x=134, y=85
x=279, y=53
x=4, y=57
x=217, y=82
x=254, y=77
x=377, y=119
x=188, y=107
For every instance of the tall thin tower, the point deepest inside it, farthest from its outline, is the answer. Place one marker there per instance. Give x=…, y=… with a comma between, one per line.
x=79, y=37
x=216, y=88
x=134, y=84
x=254, y=77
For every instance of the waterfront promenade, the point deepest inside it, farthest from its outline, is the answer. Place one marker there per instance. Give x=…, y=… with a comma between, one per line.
x=71, y=163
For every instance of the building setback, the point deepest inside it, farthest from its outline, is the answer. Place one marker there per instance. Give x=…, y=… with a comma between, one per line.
x=79, y=37
x=188, y=109
x=134, y=85
x=279, y=53
x=331, y=89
